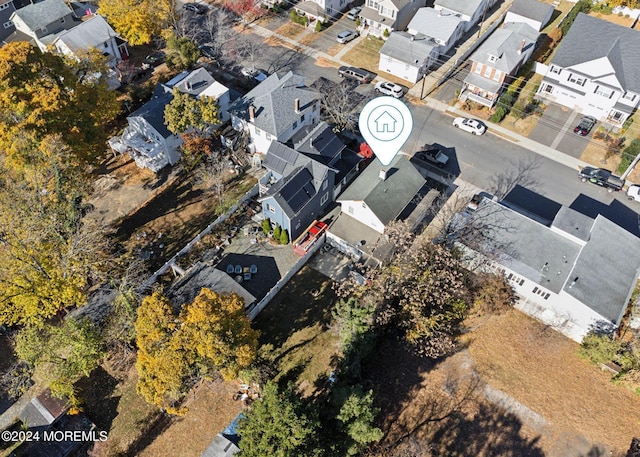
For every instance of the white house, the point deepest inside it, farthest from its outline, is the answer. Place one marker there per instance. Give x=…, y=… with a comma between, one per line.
x=532, y=12
x=576, y=275
x=380, y=15
x=430, y=34
x=595, y=70
x=275, y=109
x=200, y=83
x=497, y=61
x=470, y=11
x=321, y=9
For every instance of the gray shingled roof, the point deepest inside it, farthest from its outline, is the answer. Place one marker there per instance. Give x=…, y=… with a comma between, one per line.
x=606, y=261
x=318, y=142
x=153, y=111
x=38, y=15
x=466, y=7
x=400, y=47
x=274, y=100
x=531, y=9
x=386, y=198
x=504, y=44
x=90, y=33
x=590, y=38
x=430, y=23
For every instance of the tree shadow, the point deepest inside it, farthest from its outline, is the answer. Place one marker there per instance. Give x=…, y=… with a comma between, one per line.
x=154, y=429
x=101, y=406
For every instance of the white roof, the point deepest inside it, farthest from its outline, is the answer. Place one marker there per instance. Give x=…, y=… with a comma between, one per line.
x=215, y=90
x=88, y=34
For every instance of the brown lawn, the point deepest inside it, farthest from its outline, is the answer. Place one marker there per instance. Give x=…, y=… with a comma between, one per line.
x=366, y=54
x=620, y=20
x=290, y=30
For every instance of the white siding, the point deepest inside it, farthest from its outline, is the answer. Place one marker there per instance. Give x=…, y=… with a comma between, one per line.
x=362, y=213
x=400, y=69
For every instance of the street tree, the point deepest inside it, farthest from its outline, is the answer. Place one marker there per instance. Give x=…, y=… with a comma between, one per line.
x=138, y=21
x=182, y=52
x=42, y=94
x=279, y=425
x=219, y=30
x=248, y=48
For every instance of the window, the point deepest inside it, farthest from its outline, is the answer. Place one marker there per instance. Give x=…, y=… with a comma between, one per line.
x=62, y=21
x=324, y=199
x=629, y=96
x=269, y=137
x=324, y=185
x=604, y=92
x=295, y=124
x=8, y=24
x=555, y=69
x=350, y=209
x=616, y=116
x=258, y=131
x=548, y=88
x=576, y=80
x=478, y=68
x=497, y=75
x=492, y=58
x=302, y=118
x=487, y=72
x=4, y=6
x=271, y=208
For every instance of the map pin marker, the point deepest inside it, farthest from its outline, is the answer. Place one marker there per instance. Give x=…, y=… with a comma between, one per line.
x=385, y=124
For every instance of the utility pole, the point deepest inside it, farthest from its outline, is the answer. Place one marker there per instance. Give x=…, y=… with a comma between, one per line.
x=484, y=13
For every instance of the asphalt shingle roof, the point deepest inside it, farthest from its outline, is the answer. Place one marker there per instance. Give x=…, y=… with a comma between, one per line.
x=386, y=198
x=400, y=46
x=531, y=9
x=504, y=43
x=429, y=22
x=39, y=15
x=590, y=38
x=465, y=7
x=274, y=100
x=87, y=34
x=153, y=112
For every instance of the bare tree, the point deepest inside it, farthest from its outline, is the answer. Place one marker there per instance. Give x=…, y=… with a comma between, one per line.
x=213, y=174
x=340, y=103
x=248, y=47
x=288, y=59
x=218, y=29
x=520, y=173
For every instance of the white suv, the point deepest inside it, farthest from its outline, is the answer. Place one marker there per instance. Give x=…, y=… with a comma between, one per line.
x=394, y=90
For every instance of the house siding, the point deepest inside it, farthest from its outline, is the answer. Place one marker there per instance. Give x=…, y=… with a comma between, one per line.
x=5, y=17
x=361, y=212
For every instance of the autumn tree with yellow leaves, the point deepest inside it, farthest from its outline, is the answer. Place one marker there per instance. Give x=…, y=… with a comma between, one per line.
x=138, y=21
x=211, y=334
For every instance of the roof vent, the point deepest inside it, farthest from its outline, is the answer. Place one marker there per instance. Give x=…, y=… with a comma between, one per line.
x=383, y=174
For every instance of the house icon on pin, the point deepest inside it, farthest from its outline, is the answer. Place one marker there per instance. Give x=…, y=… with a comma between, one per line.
x=385, y=123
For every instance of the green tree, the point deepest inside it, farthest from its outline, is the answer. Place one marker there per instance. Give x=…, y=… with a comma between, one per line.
x=278, y=425
x=61, y=354
x=46, y=94
x=284, y=237
x=187, y=112
x=495, y=294
x=277, y=232
x=353, y=319
x=138, y=21
x=356, y=415
x=601, y=348
x=266, y=225
x=318, y=26
x=182, y=53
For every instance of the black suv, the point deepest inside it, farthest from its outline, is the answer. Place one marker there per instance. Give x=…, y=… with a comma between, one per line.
x=357, y=74
x=432, y=154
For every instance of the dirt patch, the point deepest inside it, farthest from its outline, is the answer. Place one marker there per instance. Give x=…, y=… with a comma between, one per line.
x=325, y=63
x=309, y=38
x=290, y=30
x=334, y=50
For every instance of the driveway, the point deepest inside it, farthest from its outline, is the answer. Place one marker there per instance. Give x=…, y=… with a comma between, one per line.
x=555, y=129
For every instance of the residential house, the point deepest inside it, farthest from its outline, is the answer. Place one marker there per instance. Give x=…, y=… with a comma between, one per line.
x=595, y=70
x=93, y=33
x=380, y=195
x=536, y=14
x=470, y=11
x=379, y=16
x=200, y=83
x=275, y=110
x=429, y=35
x=39, y=23
x=295, y=190
x=575, y=275
x=496, y=62
x=7, y=8
x=321, y=10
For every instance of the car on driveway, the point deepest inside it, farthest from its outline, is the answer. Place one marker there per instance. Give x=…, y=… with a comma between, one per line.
x=197, y=8
x=633, y=192
x=357, y=74
x=253, y=73
x=585, y=125
x=433, y=155
x=153, y=60
x=393, y=90
x=354, y=13
x=473, y=126
x=346, y=36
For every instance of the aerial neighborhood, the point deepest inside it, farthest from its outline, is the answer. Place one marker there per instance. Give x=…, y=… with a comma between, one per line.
x=320, y=228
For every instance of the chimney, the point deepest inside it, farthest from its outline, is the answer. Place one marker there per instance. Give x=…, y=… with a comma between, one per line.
x=383, y=174
x=522, y=43
x=296, y=105
x=252, y=113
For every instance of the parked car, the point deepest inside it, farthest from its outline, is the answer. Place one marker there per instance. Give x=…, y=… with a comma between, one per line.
x=357, y=74
x=585, y=125
x=354, y=13
x=153, y=60
x=633, y=192
x=197, y=8
x=473, y=126
x=432, y=154
x=253, y=73
x=346, y=36
x=601, y=177
x=207, y=51
x=394, y=90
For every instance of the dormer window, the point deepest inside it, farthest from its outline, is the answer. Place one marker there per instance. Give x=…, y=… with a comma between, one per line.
x=493, y=58
x=62, y=21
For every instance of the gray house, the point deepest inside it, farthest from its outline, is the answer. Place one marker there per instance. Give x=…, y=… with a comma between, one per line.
x=532, y=12
x=6, y=11
x=471, y=11
x=40, y=22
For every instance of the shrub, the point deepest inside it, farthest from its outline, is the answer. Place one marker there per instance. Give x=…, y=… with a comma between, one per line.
x=318, y=26
x=625, y=161
x=626, y=125
x=266, y=226
x=284, y=237
x=583, y=6
x=358, y=21
x=498, y=115
x=386, y=33
x=277, y=232
x=297, y=18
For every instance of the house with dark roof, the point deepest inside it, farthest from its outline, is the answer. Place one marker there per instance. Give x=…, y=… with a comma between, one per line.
x=379, y=16
x=574, y=275
x=595, y=70
x=496, y=62
x=377, y=197
x=275, y=110
x=470, y=11
x=7, y=7
x=430, y=34
x=536, y=14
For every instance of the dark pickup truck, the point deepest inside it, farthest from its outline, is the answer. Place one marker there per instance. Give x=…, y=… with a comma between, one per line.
x=601, y=177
